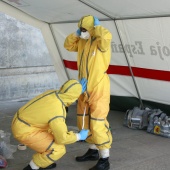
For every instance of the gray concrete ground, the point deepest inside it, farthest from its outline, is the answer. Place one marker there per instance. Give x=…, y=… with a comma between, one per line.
x=131, y=149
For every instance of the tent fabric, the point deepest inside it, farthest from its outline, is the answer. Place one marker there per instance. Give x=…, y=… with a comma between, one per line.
x=140, y=42
x=65, y=11
x=55, y=11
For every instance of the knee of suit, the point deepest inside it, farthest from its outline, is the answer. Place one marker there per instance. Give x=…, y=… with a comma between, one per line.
x=60, y=150
x=59, y=153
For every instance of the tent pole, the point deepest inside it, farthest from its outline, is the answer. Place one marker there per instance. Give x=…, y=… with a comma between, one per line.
x=130, y=68
x=56, y=43
x=76, y=21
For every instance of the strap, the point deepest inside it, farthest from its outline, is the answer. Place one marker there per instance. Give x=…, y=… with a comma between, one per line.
x=155, y=113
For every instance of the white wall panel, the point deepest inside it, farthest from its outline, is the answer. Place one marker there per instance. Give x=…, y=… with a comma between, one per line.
x=122, y=86
x=150, y=39
x=73, y=74
x=153, y=53
x=154, y=90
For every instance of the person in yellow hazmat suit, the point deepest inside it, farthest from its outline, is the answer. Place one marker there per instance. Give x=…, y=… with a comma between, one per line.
x=40, y=124
x=92, y=42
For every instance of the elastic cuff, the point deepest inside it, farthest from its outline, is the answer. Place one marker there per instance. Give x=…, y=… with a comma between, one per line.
x=33, y=165
x=104, y=153
x=93, y=146
x=78, y=136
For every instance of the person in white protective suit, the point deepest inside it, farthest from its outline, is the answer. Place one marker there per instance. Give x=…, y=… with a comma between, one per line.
x=40, y=124
x=92, y=42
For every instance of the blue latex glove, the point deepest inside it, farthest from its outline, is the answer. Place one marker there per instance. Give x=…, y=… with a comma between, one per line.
x=96, y=21
x=83, y=134
x=83, y=82
x=78, y=32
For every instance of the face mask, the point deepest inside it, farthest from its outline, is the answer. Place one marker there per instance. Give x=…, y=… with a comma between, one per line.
x=85, y=35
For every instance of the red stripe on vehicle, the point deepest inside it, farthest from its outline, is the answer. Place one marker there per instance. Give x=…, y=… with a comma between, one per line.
x=70, y=64
x=124, y=70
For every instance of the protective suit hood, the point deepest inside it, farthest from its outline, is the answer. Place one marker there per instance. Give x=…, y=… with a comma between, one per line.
x=69, y=92
x=87, y=22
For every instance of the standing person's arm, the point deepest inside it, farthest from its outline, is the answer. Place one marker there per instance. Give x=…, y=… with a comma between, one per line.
x=71, y=41
x=104, y=38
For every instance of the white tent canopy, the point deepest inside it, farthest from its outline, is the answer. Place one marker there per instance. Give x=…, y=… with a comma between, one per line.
x=140, y=64
x=66, y=11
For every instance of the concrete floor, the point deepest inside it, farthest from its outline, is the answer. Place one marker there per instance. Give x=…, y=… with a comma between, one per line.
x=131, y=149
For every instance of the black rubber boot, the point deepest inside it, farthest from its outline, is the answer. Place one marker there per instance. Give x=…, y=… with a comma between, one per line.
x=102, y=164
x=28, y=167
x=90, y=155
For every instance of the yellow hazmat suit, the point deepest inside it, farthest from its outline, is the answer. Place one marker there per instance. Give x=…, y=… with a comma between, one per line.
x=40, y=124
x=93, y=60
